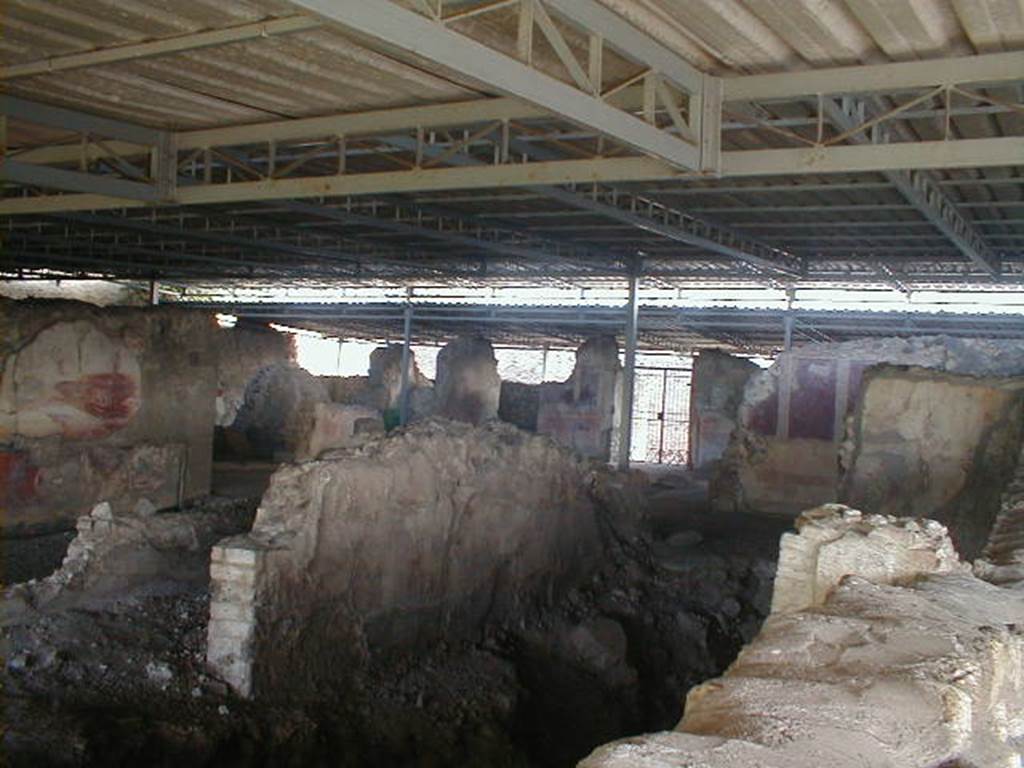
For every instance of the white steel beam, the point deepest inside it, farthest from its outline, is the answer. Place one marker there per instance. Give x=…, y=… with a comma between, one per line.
x=921, y=191
x=907, y=155
x=629, y=41
x=962, y=153
x=76, y=181
x=989, y=69
x=410, y=33
x=474, y=177
x=164, y=47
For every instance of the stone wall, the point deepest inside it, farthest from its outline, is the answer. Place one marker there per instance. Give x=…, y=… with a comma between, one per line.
x=784, y=455
x=242, y=352
x=936, y=445
x=277, y=412
x=905, y=659
x=427, y=534
x=467, y=387
x=112, y=404
x=578, y=413
x=716, y=392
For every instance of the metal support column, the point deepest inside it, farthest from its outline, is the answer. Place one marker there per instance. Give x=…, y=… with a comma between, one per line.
x=628, y=375
x=787, y=333
x=154, y=292
x=403, y=402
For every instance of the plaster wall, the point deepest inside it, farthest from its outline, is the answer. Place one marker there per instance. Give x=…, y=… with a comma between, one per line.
x=102, y=404
x=578, y=413
x=784, y=454
x=717, y=385
x=933, y=444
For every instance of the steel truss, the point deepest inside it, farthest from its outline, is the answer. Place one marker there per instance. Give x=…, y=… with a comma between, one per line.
x=573, y=137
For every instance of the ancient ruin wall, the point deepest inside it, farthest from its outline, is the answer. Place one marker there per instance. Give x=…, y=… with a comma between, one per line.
x=784, y=455
x=434, y=531
x=716, y=392
x=468, y=386
x=934, y=444
x=242, y=352
x=111, y=403
x=278, y=412
x=882, y=651
x=579, y=412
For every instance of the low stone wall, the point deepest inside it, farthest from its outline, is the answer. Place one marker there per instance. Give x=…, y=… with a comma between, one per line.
x=889, y=653
x=114, y=552
x=433, y=532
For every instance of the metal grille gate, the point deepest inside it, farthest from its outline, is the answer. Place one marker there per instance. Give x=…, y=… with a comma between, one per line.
x=661, y=416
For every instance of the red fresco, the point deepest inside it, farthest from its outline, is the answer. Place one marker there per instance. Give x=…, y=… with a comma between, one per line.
x=109, y=397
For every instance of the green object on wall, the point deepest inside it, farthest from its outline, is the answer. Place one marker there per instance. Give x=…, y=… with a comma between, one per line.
x=392, y=419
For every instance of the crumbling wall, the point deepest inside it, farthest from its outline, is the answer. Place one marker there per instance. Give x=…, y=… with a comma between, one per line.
x=885, y=652
x=581, y=412
x=113, y=553
x=933, y=444
x=468, y=386
x=277, y=413
x=339, y=426
x=98, y=404
x=1002, y=561
x=716, y=391
x=578, y=413
x=784, y=454
x=426, y=534
x=242, y=352
x=381, y=389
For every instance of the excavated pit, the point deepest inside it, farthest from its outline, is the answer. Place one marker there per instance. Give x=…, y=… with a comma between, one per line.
x=606, y=650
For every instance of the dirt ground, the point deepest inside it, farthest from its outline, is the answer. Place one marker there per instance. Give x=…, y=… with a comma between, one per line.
x=120, y=680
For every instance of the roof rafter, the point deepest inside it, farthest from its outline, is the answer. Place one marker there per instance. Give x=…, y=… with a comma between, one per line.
x=411, y=34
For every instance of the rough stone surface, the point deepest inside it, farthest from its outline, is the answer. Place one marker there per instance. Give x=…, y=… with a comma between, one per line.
x=834, y=541
x=716, y=392
x=278, y=411
x=926, y=672
x=1002, y=561
x=381, y=389
x=578, y=413
x=85, y=413
x=242, y=352
x=339, y=426
x=113, y=552
x=783, y=456
x=468, y=386
x=934, y=445
x=425, y=534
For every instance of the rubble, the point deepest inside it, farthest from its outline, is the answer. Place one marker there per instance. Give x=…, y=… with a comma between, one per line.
x=901, y=658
